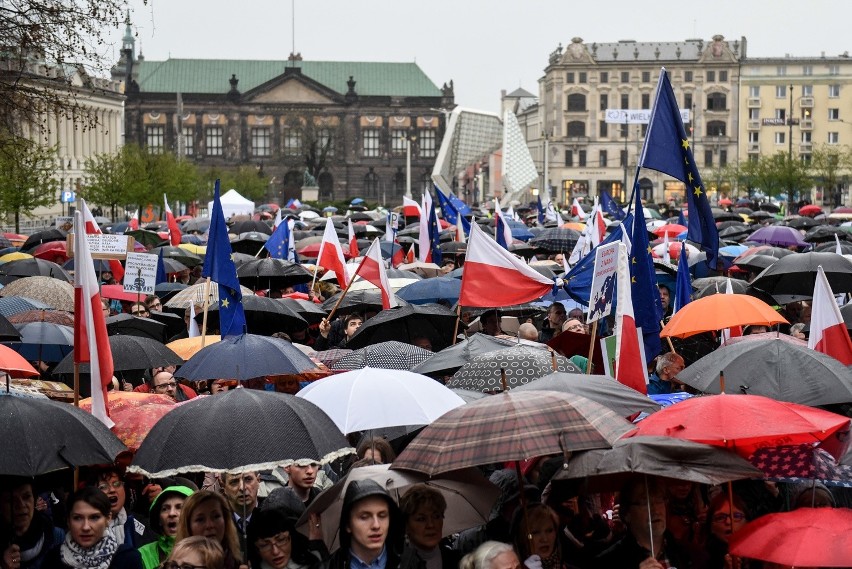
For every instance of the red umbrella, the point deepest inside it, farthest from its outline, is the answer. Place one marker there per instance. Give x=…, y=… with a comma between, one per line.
x=725, y=202
x=807, y=537
x=134, y=414
x=670, y=229
x=14, y=363
x=312, y=250
x=810, y=210
x=841, y=209
x=743, y=423
x=116, y=292
x=53, y=251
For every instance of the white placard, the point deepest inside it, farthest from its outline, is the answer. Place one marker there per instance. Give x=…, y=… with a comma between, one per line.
x=103, y=246
x=63, y=223
x=635, y=116
x=140, y=273
x=603, y=282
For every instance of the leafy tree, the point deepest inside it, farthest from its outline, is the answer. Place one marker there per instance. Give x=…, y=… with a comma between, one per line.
x=317, y=143
x=776, y=174
x=248, y=180
x=26, y=176
x=828, y=163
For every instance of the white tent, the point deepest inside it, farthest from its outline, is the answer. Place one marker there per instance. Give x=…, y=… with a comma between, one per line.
x=233, y=204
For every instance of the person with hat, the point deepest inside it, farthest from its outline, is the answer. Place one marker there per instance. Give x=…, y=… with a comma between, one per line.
x=165, y=514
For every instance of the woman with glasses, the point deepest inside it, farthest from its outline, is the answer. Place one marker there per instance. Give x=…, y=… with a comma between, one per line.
x=139, y=309
x=207, y=514
x=122, y=525
x=720, y=526
x=196, y=553
x=274, y=543
x=89, y=544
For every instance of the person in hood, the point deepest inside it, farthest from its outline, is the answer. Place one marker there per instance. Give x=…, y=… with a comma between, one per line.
x=274, y=543
x=27, y=533
x=165, y=514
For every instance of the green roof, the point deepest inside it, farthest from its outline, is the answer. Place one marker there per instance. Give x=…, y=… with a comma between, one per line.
x=212, y=75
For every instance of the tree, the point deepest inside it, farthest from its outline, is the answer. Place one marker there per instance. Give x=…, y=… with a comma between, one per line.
x=26, y=177
x=774, y=175
x=249, y=180
x=312, y=146
x=828, y=163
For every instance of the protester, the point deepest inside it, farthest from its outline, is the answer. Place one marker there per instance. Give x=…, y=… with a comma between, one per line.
x=207, y=514
x=423, y=509
x=27, y=534
x=351, y=323
x=720, y=526
x=302, y=475
x=664, y=380
x=491, y=555
x=196, y=551
x=535, y=532
x=490, y=322
x=241, y=492
x=377, y=448
x=165, y=514
x=527, y=331
x=553, y=322
x=123, y=526
x=139, y=309
x=665, y=300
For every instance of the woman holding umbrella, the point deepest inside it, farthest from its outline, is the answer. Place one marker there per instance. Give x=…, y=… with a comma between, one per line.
x=207, y=514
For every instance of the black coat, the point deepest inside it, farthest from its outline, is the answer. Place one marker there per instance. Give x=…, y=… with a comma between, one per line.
x=627, y=554
x=407, y=560
x=125, y=557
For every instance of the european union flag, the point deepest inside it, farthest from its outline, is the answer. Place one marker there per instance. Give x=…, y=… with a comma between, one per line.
x=647, y=308
x=162, y=275
x=435, y=235
x=280, y=243
x=683, y=286
x=451, y=212
x=667, y=150
x=458, y=203
x=609, y=206
x=681, y=218
x=219, y=266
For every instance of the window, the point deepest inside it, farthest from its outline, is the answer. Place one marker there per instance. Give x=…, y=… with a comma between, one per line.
x=833, y=138
x=723, y=158
x=623, y=130
x=807, y=90
x=807, y=137
x=723, y=76
x=716, y=102
x=754, y=136
x=833, y=91
x=398, y=137
x=371, y=179
x=687, y=76
x=708, y=158
x=754, y=91
x=807, y=70
x=716, y=128
x=711, y=76
x=644, y=130
x=604, y=77
x=780, y=137
x=576, y=103
x=569, y=158
x=370, y=144
x=604, y=101
x=582, y=77
x=576, y=128
x=625, y=101
x=213, y=136
x=261, y=141
x=781, y=70
x=781, y=114
x=325, y=140
x=581, y=162
x=427, y=143
x=569, y=77
x=604, y=129
x=753, y=114
x=292, y=141
x=780, y=91
x=188, y=141
x=622, y=158
x=154, y=138
x=834, y=70
x=687, y=100
x=602, y=158
x=834, y=114
x=646, y=100
x=646, y=77
x=625, y=77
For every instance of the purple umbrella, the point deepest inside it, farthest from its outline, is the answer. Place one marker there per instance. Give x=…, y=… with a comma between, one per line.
x=778, y=235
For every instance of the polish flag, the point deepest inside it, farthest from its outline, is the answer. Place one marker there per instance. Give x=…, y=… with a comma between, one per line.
x=424, y=243
x=277, y=221
x=577, y=211
x=629, y=365
x=494, y=277
x=736, y=331
x=92, y=228
x=331, y=255
x=353, y=243
x=399, y=254
x=599, y=223
x=828, y=331
x=372, y=269
x=411, y=208
x=460, y=236
x=134, y=221
x=174, y=231
x=409, y=257
x=91, y=343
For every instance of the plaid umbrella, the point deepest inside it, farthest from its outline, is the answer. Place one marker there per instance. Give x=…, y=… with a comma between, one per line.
x=385, y=355
x=556, y=240
x=51, y=292
x=521, y=364
x=332, y=356
x=512, y=426
x=35, y=315
x=801, y=463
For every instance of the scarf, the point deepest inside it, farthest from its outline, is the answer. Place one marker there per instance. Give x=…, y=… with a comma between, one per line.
x=98, y=556
x=116, y=526
x=33, y=541
x=554, y=561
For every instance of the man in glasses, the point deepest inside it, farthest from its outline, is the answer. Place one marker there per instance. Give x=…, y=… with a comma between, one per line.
x=122, y=525
x=139, y=309
x=165, y=383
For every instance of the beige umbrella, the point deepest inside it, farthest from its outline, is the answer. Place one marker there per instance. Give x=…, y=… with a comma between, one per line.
x=53, y=292
x=425, y=269
x=195, y=294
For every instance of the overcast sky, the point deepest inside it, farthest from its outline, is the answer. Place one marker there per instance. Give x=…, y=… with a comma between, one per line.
x=484, y=46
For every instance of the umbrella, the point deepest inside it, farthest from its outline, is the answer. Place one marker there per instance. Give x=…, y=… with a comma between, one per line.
x=54, y=251
x=718, y=312
x=42, y=315
x=272, y=273
x=249, y=243
x=469, y=497
x=794, y=277
x=773, y=368
x=806, y=537
x=742, y=423
x=406, y=323
x=196, y=224
x=187, y=347
x=831, y=247
x=245, y=357
x=44, y=341
x=117, y=292
x=432, y=290
x=308, y=310
x=51, y=292
x=14, y=256
x=129, y=353
x=511, y=426
x=601, y=389
x=8, y=332
x=810, y=209
x=49, y=436
x=422, y=269
x=242, y=430
x=671, y=229
x=173, y=266
x=521, y=364
x=179, y=254
x=657, y=456
x=11, y=305
x=264, y=316
x=385, y=355
x=824, y=233
x=709, y=286
x=801, y=463
x=756, y=263
x=448, y=360
x=40, y=237
x=556, y=240
x=330, y=357
x=13, y=364
x=239, y=227
x=802, y=222
x=150, y=239
x=373, y=398
x=129, y=325
x=194, y=294
x=101, y=265
x=174, y=324
x=134, y=414
x=778, y=235
x=395, y=283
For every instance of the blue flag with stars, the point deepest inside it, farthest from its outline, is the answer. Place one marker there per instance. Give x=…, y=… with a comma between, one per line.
x=280, y=244
x=609, y=206
x=162, y=276
x=435, y=235
x=667, y=150
x=647, y=307
x=451, y=212
x=219, y=266
x=683, y=286
x=681, y=219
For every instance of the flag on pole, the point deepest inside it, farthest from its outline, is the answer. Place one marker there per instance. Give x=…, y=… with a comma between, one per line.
x=192, y=331
x=174, y=230
x=372, y=269
x=280, y=244
x=219, y=266
x=353, y=243
x=494, y=277
x=502, y=231
x=598, y=224
x=331, y=255
x=630, y=368
x=577, y=210
x=277, y=221
x=667, y=150
x=434, y=233
x=92, y=228
x=609, y=206
x=424, y=243
x=411, y=208
x=133, y=224
x=648, y=310
x=541, y=211
x=162, y=275
x=828, y=330
x=683, y=286
x=91, y=342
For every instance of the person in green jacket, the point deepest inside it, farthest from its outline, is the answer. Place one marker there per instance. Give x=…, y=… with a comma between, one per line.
x=165, y=513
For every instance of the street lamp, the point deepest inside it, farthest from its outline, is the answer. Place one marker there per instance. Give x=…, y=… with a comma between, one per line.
x=408, y=140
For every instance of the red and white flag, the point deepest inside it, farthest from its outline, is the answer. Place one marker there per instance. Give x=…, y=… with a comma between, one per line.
x=599, y=225
x=494, y=277
x=331, y=255
x=577, y=210
x=828, y=331
x=629, y=365
x=424, y=243
x=353, y=243
x=277, y=221
x=409, y=257
x=134, y=221
x=91, y=342
x=372, y=269
x=411, y=208
x=92, y=228
x=174, y=230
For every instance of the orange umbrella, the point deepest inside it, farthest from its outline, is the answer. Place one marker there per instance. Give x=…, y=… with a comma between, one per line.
x=575, y=225
x=186, y=347
x=14, y=363
x=718, y=312
x=134, y=414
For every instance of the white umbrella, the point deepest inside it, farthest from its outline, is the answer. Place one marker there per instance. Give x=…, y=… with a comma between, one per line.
x=373, y=398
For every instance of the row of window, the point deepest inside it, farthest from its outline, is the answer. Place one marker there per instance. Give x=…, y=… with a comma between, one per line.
x=603, y=158
x=578, y=129
x=582, y=77
x=576, y=102
x=781, y=137
x=807, y=70
x=833, y=114
x=807, y=91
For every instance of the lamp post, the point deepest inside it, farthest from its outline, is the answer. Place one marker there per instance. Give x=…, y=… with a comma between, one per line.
x=624, y=192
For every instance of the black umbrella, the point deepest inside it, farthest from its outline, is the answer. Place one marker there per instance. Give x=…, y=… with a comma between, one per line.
x=196, y=224
x=147, y=237
x=245, y=357
x=239, y=227
x=384, y=355
x=40, y=237
x=450, y=359
x=263, y=316
x=272, y=273
x=174, y=323
x=173, y=265
x=8, y=332
x=128, y=353
x=310, y=311
x=802, y=222
x=757, y=263
x=831, y=247
x=243, y=430
x=773, y=368
x=179, y=254
x=405, y=324
x=556, y=240
x=249, y=243
x=128, y=325
x=101, y=265
x=761, y=215
x=43, y=341
x=793, y=277
x=34, y=268
x=357, y=301
x=44, y=435
x=825, y=233
x=602, y=389
x=521, y=364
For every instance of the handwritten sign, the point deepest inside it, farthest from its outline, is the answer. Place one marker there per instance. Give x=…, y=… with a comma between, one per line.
x=103, y=246
x=140, y=273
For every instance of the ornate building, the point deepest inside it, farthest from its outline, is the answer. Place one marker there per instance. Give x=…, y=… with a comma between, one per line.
x=350, y=125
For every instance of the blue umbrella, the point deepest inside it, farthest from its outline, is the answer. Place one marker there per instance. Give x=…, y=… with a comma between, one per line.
x=356, y=201
x=330, y=209
x=44, y=341
x=432, y=290
x=519, y=230
x=733, y=250
x=11, y=305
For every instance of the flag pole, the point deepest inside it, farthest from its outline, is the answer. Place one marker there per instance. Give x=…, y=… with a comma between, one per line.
x=458, y=319
x=594, y=333
x=206, y=306
x=342, y=296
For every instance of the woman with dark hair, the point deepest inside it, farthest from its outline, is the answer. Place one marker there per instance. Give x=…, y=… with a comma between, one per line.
x=423, y=508
x=89, y=544
x=274, y=543
x=376, y=448
x=207, y=514
x=26, y=535
x=722, y=521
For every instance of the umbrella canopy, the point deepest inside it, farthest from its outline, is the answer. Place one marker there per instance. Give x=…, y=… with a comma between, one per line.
x=521, y=364
x=794, y=277
x=385, y=355
x=43, y=315
x=129, y=353
x=239, y=227
x=657, y=456
x=420, y=268
x=670, y=229
x=195, y=294
x=469, y=497
x=430, y=291
x=717, y=285
x=823, y=233
x=196, y=224
x=242, y=430
x=356, y=301
x=49, y=436
x=556, y=240
x=448, y=360
x=134, y=414
x=44, y=341
x=52, y=293
x=718, y=312
x=806, y=537
x=407, y=323
x=511, y=426
x=8, y=332
x=54, y=251
x=40, y=237
x=372, y=398
x=264, y=316
x=12, y=363
x=742, y=423
x=129, y=325
x=601, y=389
x=187, y=347
x=245, y=357
x=117, y=292
x=179, y=254
x=308, y=310
x=801, y=463
x=778, y=235
x=773, y=368
x=272, y=273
